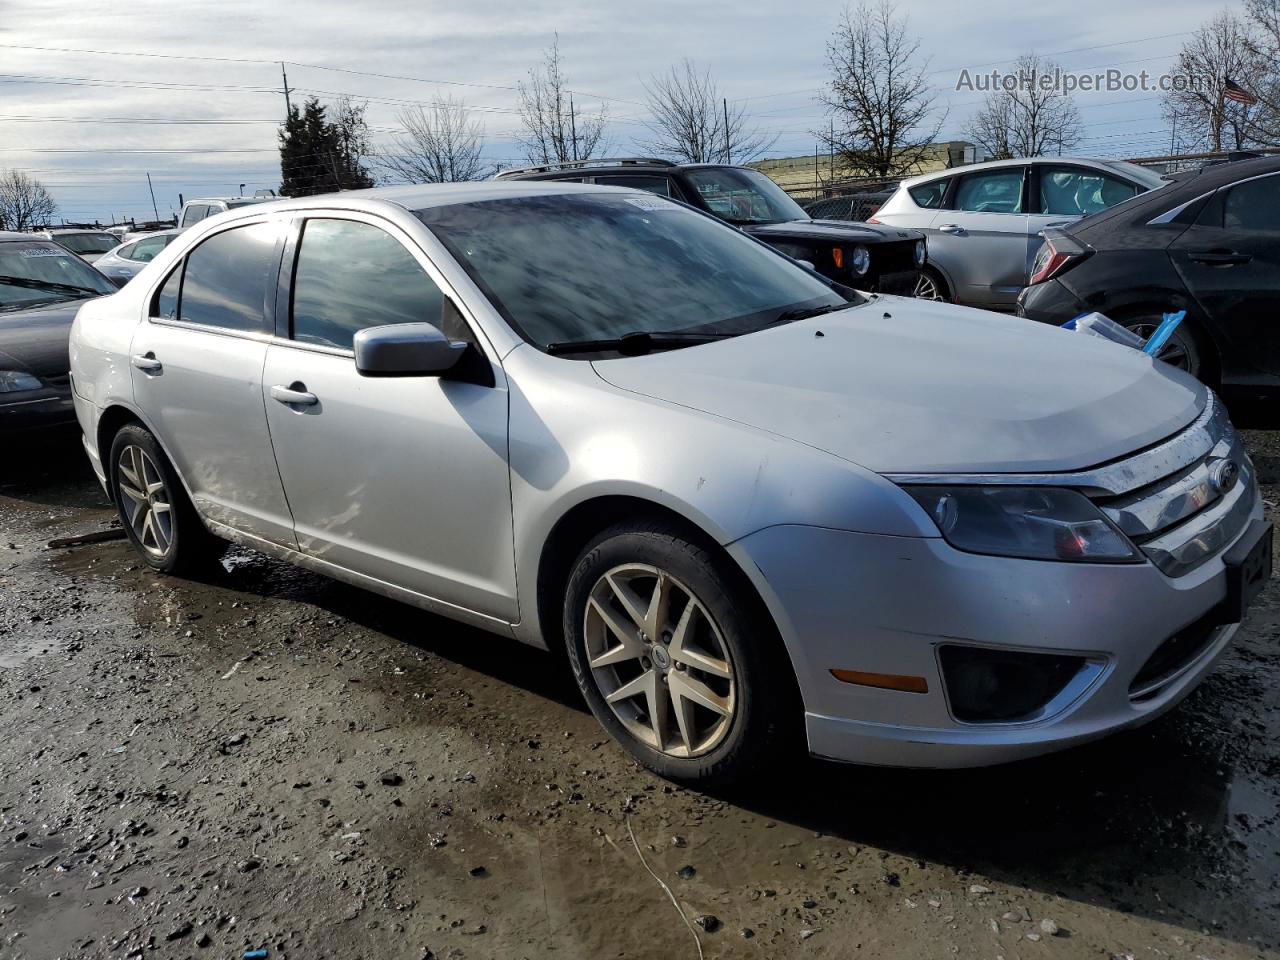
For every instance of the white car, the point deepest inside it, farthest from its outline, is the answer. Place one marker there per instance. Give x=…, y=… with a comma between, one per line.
x=193, y=211
x=759, y=511
x=985, y=221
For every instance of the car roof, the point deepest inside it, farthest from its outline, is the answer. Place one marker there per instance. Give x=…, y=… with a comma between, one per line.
x=230, y=199
x=64, y=231
x=421, y=196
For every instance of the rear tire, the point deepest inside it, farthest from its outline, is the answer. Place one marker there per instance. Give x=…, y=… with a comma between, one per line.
x=154, y=508
x=1181, y=350
x=677, y=658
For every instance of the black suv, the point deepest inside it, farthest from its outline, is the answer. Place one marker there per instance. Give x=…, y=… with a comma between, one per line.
x=884, y=259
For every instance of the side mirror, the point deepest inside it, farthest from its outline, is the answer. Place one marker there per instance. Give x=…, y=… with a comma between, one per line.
x=406, y=350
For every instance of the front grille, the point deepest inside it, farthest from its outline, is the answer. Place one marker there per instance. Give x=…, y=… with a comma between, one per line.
x=1183, y=517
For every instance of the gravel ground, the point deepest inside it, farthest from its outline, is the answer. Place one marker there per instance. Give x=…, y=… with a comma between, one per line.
x=267, y=760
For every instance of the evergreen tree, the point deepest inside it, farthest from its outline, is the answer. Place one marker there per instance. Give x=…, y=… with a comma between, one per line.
x=317, y=156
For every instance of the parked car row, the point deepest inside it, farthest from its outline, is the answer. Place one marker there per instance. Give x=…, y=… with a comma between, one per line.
x=761, y=512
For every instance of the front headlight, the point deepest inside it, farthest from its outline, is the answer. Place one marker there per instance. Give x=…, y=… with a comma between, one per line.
x=861, y=260
x=1037, y=523
x=12, y=381
x=921, y=253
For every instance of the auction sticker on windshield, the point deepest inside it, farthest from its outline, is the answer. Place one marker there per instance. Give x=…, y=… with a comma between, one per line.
x=651, y=203
x=30, y=252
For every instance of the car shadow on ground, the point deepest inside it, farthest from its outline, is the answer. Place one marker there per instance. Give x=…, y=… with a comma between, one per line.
x=1155, y=821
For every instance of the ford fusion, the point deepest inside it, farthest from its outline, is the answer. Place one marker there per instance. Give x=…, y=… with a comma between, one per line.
x=759, y=512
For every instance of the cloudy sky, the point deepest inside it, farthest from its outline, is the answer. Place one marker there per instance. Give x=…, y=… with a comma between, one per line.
x=200, y=112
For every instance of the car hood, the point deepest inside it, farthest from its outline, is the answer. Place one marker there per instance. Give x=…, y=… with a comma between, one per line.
x=829, y=231
x=36, y=340
x=902, y=386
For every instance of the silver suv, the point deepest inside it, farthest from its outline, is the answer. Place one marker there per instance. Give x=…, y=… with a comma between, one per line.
x=985, y=221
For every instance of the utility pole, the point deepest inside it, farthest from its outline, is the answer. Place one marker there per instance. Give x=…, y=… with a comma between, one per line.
x=288, y=104
x=154, y=208
x=727, y=157
x=831, y=142
x=573, y=128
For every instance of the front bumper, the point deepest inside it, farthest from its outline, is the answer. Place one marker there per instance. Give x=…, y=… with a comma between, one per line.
x=36, y=410
x=885, y=605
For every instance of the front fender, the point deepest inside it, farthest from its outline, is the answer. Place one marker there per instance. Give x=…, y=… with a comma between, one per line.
x=575, y=438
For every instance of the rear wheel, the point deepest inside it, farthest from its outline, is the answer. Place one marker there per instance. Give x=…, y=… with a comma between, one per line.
x=154, y=508
x=672, y=654
x=1181, y=349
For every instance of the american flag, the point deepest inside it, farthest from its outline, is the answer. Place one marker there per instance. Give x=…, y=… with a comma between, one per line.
x=1233, y=91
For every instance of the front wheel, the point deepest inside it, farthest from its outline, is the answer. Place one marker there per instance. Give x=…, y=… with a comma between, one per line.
x=931, y=286
x=674, y=657
x=157, y=515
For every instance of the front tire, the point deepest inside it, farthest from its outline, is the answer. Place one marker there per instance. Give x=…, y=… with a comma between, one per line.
x=677, y=658
x=154, y=509
x=931, y=286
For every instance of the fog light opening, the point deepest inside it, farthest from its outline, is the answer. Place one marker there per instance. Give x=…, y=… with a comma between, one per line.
x=1003, y=686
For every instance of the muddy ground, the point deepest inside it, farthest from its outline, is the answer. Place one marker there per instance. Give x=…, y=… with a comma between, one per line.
x=265, y=759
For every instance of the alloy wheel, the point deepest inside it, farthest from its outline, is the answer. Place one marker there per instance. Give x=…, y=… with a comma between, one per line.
x=1174, y=352
x=927, y=288
x=144, y=499
x=659, y=660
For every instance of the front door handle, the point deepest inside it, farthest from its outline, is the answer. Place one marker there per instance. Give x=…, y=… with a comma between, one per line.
x=294, y=395
x=951, y=228
x=1220, y=258
x=147, y=363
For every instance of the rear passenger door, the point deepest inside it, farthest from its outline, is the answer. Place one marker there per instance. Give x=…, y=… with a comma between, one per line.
x=403, y=480
x=197, y=376
x=981, y=239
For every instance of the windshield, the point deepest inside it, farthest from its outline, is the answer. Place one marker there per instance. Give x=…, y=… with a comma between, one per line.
x=598, y=266
x=743, y=196
x=35, y=272
x=87, y=242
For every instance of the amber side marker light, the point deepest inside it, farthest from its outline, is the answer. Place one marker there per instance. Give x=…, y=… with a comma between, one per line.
x=885, y=681
x=838, y=256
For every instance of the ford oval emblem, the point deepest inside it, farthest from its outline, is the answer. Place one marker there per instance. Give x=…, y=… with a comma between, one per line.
x=1223, y=475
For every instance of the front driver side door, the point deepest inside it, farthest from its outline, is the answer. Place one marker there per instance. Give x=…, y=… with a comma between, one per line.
x=402, y=480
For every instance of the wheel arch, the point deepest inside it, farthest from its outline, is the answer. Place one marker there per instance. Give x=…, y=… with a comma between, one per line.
x=117, y=415
x=1153, y=305
x=585, y=520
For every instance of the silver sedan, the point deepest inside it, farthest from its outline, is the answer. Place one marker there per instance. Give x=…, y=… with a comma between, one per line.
x=759, y=512
x=122, y=263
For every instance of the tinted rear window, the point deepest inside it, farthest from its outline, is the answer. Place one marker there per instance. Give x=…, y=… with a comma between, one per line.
x=929, y=195
x=228, y=278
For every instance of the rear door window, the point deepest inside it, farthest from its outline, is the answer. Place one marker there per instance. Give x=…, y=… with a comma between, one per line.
x=992, y=191
x=351, y=275
x=659, y=185
x=929, y=195
x=194, y=214
x=1078, y=191
x=1253, y=205
x=145, y=251
x=227, y=278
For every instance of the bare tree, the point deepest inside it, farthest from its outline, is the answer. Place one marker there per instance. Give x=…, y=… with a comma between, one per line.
x=1203, y=117
x=1263, y=44
x=555, y=132
x=352, y=130
x=883, y=121
x=439, y=145
x=1030, y=116
x=24, y=202
x=694, y=123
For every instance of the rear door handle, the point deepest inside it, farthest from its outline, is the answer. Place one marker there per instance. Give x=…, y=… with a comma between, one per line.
x=147, y=363
x=951, y=228
x=1220, y=258
x=294, y=397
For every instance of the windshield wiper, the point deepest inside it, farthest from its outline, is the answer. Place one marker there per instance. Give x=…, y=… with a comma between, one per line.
x=635, y=344
x=804, y=313
x=46, y=285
